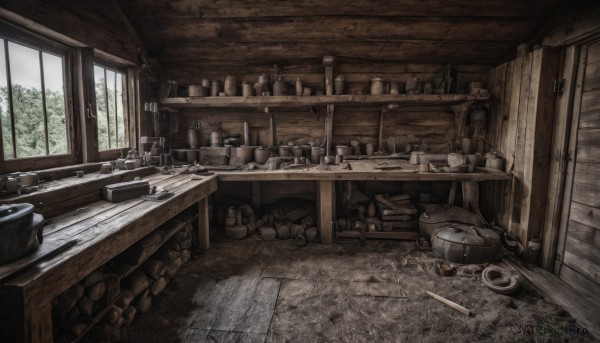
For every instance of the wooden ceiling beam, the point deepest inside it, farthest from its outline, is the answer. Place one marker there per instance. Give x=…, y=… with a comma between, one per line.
x=303, y=29
x=290, y=8
x=418, y=51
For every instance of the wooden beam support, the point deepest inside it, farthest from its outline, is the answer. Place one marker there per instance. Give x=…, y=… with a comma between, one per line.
x=558, y=160
x=203, y=224
x=326, y=207
x=87, y=107
x=538, y=140
x=328, y=63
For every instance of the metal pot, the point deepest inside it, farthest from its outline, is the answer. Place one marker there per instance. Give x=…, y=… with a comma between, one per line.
x=316, y=153
x=21, y=231
x=245, y=153
x=193, y=141
x=261, y=154
x=297, y=151
x=495, y=162
x=197, y=90
x=464, y=243
x=344, y=150
x=285, y=150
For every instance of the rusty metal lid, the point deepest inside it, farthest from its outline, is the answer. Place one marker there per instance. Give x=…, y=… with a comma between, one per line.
x=468, y=235
x=450, y=214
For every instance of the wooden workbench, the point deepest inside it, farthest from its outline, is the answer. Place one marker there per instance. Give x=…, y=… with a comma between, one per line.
x=365, y=170
x=102, y=230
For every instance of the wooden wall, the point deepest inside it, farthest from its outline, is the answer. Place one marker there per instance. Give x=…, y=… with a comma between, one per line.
x=97, y=24
x=520, y=128
x=409, y=124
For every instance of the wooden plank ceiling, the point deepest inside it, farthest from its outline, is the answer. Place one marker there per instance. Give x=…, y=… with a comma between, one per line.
x=208, y=35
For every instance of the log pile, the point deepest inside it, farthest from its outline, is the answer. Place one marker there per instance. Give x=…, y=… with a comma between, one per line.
x=106, y=302
x=289, y=219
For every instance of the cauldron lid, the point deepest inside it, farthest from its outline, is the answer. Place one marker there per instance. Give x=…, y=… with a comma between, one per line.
x=11, y=212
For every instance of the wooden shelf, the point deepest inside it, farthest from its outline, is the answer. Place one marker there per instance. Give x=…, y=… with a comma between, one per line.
x=405, y=235
x=321, y=100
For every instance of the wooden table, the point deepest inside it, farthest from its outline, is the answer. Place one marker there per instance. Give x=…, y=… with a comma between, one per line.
x=102, y=230
x=365, y=170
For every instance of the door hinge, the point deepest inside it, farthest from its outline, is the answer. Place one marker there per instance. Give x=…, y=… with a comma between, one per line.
x=558, y=86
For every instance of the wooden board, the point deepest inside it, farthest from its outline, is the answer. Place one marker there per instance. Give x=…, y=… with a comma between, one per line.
x=238, y=307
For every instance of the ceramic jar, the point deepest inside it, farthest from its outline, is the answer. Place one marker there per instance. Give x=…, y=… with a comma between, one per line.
x=230, y=87
x=377, y=86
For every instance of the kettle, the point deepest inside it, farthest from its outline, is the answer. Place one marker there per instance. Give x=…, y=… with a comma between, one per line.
x=21, y=231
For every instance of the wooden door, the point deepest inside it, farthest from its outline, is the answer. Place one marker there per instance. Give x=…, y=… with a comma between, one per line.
x=578, y=251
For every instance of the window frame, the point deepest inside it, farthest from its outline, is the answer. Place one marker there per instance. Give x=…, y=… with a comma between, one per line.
x=17, y=35
x=129, y=115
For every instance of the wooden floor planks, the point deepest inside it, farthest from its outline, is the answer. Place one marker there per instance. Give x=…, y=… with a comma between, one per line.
x=236, y=309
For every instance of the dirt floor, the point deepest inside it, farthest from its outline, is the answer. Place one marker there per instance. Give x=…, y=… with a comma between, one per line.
x=254, y=291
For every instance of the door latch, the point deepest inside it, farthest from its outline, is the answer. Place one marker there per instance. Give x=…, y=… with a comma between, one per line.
x=558, y=86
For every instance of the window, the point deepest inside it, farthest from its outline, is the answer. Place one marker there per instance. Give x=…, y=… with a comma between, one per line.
x=33, y=107
x=111, y=108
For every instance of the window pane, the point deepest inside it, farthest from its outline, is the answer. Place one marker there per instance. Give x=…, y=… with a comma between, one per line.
x=111, y=102
x=55, y=104
x=27, y=100
x=101, y=108
x=4, y=110
x=112, y=122
x=120, y=113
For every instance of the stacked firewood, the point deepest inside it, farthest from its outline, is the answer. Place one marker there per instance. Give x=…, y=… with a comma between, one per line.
x=289, y=219
x=106, y=302
x=396, y=212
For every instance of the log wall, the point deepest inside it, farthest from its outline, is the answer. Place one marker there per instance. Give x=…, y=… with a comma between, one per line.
x=520, y=129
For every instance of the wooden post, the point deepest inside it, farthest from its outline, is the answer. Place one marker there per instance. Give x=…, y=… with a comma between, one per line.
x=328, y=62
x=326, y=207
x=329, y=128
x=87, y=104
x=203, y=224
x=538, y=141
x=470, y=191
x=37, y=323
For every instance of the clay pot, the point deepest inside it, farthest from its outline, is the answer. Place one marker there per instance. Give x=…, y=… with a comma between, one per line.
x=296, y=230
x=197, y=90
x=343, y=150
x=215, y=88
x=311, y=234
x=216, y=139
x=268, y=234
x=237, y=232
x=230, y=87
x=495, y=162
x=377, y=86
x=394, y=87
x=371, y=211
x=283, y=231
x=412, y=83
x=261, y=154
x=285, y=150
x=247, y=89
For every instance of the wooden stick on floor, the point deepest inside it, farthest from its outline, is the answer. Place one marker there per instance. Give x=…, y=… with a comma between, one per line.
x=452, y=304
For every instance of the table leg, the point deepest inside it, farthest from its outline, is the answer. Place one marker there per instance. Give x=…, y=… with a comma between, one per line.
x=326, y=207
x=203, y=225
x=470, y=191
